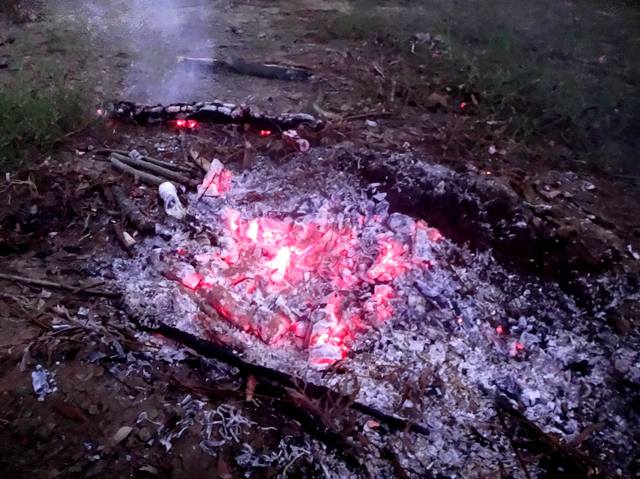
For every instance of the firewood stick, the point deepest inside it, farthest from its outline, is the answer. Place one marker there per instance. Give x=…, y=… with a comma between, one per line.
x=211, y=62
x=86, y=289
x=143, y=176
x=150, y=159
x=283, y=380
x=131, y=212
x=171, y=175
x=240, y=66
x=168, y=164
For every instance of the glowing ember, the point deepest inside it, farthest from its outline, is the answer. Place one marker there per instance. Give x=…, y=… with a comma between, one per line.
x=192, y=280
x=314, y=280
x=389, y=263
x=186, y=124
x=280, y=264
x=216, y=182
x=264, y=133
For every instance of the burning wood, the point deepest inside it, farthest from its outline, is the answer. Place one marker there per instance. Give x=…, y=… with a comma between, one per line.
x=316, y=280
x=185, y=114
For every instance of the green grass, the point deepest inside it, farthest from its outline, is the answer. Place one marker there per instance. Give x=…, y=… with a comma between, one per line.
x=545, y=67
x=35, y=115
x=52, y=87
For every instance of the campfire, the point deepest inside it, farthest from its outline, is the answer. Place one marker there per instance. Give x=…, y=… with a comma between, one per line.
x=314, y=277
x=306, y=276
x=306, y=269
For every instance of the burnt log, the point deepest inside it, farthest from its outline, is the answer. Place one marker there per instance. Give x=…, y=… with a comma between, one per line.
x=272, y=71
x=283, y=382
x=209, y=112
x=131, y=212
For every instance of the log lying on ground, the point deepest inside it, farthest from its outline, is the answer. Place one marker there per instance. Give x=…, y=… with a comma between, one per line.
x=280, y=379
x=240, y=66
x=209, y=112
x=131, y=212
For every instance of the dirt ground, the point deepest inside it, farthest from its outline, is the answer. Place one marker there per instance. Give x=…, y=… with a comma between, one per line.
x=119, y=391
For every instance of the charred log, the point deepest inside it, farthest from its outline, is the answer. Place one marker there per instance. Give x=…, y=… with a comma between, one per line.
x=243, y=67
x=131, y=212
x=209, y=112
x=285, y=383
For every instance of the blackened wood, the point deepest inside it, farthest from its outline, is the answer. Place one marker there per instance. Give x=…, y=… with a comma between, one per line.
x=118, y=231
x=241, y=66
x=131, y=212
x=221, y=353
x=209, y=112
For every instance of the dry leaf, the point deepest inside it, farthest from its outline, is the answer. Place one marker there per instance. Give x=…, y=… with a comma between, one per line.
x=436, y=99
x=251, y=387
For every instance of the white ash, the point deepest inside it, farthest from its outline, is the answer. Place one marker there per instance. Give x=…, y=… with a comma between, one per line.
x=439, y=361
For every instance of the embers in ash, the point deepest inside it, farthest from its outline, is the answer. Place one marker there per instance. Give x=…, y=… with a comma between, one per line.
x=316, y=280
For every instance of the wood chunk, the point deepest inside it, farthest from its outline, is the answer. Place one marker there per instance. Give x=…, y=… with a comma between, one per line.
x=131, y=212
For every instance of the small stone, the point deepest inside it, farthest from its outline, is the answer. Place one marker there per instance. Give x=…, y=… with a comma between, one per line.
x=145, y=434
x=121, y=435
x=149, y=470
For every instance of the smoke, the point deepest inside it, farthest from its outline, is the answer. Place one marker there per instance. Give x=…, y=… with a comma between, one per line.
x=145, y=37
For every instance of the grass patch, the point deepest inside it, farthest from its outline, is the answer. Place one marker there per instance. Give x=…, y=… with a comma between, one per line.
x=546, y=68
x=34, y=118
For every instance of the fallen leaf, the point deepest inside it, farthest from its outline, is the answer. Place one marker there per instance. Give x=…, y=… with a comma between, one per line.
x=251, y=387
x=223, y=469
x=436, y=99
x=69, y=411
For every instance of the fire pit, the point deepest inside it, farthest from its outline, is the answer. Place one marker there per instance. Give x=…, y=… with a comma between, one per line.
x=302, y=268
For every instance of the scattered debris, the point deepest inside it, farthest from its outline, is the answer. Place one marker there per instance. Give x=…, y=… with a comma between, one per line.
x=43, y=382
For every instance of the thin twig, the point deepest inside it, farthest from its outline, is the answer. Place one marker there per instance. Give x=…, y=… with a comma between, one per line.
x=86, y=289
x=371, y=114
x=523, y=465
